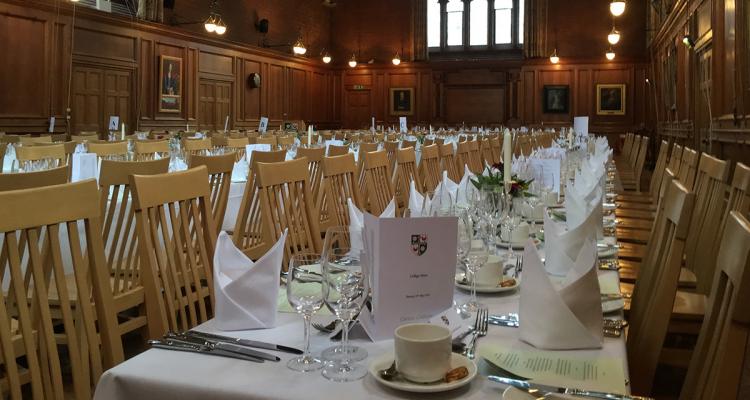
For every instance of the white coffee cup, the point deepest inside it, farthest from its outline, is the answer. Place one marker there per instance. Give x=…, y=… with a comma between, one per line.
x=423, y=352
x=491, y=272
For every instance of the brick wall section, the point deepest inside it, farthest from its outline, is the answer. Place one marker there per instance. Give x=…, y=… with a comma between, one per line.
x=286, y=19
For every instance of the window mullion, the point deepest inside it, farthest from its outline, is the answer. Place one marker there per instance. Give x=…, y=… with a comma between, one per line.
x=467, y=20
x=491, y=24
x=514, y=24
x=443, y=24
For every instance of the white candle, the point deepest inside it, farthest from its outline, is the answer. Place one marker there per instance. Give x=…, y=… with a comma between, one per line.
x=309, y=135
x=507, y=155
x=123, y=132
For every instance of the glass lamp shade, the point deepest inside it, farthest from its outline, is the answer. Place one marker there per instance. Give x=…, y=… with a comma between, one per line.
x=326, y=59
x=396, y=60
x=221, y=28
x=613, y=37
x=299, y=48
x=610, y=55
x=554, y=59
x=210, y=25
x=617, y=7
x=353, y=61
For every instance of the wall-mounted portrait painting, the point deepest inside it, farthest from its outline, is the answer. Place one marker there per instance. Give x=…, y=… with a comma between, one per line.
x=610, y=99
x=402, y=101
x=170, y=84
x=555, y=99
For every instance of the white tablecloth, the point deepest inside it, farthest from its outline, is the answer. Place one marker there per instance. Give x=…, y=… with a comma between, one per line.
x=164, y=374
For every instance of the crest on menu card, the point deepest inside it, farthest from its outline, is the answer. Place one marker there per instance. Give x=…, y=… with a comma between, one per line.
x=419, y=244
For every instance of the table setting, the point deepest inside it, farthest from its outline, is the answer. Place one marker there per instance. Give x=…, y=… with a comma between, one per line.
x=453, y=313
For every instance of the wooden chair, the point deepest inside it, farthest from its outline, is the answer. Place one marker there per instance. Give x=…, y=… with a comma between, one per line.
x=30, y=153
x=120, y=243
x=29, y=180
x=485, y=150
x=364, y=148
x=633, y=182
x=287, y=203
x=654, y=295
x=710, y=190
x=10, y=138
x=335, y=150
x=378, y=181
x=496, y=143
x=148, y=149
x=220, y=178
x=638, y=199
x=314, y=158
x=196, y=146
x=3, y=148
x=688, y=167
x=272, y=140
x=27, y=140
x=627, y=147
x=390, y=148
x=406, y=172
x=28, y=330
x=285, y=142
x=463, y=158
x=408, y=143
x=449, y=163
x=675, y=158
x=429, y=167
x=176, y=243
x=110, y=150
x=250, y=233
x=717, y=362
x=475, y=158
x=238, y=146
x=339, y=185
x=219, y=140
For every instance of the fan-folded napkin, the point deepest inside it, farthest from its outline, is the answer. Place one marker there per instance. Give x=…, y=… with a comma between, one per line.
x=357, y=222
x=564, y=318
x=562, y=246
x=246, y=292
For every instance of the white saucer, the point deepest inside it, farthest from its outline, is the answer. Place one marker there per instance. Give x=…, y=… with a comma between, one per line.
x=512, y=393
x=610, y=306
x=457, y=360
x=516, y=246
x=485, y=288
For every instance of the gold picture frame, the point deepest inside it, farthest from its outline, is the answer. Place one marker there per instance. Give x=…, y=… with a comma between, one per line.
x=170, y=84
x=611, y=99
x=402, y=101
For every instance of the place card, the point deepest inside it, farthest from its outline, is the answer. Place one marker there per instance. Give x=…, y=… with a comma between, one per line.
x=581, y=126
x=402, y=124
x=51, y=124
x=114, y=122
x=413, y=266
x=558, y=368
x=263, y=127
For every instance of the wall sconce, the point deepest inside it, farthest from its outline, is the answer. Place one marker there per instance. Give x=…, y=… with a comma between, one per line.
x=326, y=57
x=353, y=61
x=610, y=54
x=554, y=59
x=688, y=41
x=396, y=59
x=214, y=23
x=617, y=7
x=298, y=47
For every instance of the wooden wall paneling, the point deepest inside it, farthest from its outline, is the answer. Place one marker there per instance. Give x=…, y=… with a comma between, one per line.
x=251, y=97
x=555, y=75
x=584, y=101
x=146, y=107
x=276, y=91
x=298, y=94
x=87, y=88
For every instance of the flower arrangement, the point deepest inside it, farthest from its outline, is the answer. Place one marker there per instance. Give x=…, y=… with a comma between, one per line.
x=493, y=178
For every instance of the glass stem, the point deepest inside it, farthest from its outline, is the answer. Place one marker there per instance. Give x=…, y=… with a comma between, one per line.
x=345, y=344
x=307, y=317
x=473, y=286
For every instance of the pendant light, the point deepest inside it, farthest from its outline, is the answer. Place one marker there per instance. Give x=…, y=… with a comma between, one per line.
x=614, y=36
x=214, y=23
x=353, y=61
x=610, y=54
x=326, y=57
x=298, y=47
x=396, y=59
x=617, y=7
x=554, y=59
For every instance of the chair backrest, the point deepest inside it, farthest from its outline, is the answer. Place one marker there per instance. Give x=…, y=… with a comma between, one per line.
x=449, y=162
x=147, y=149
x=29, y=180
x=3, y=147
x=653, y=297
x=314, y=158
x=285, y=141
x=251, y=234
x=176, y=243
x=635, y=151
x=287, y=203
x=219, y=178
x=34, y=153
x=10, y=138
x=34, y=241
x=31, y=140
x=429, y=166
x=364, y=148
x=627, y=146
x=710, y=190
x=463, y=158
x=408, y=143
x=390, y=147
x=716, y=365
x=272, y=140
x=485, y=149
x=339, y=185
x=639, y=162
x=675, y=158
x=688, y=168
x=335, y=150
x=84, y=137
x=406, y=172
x=496, y=143
x=237, y=144
x=106, y=149
x=378, y=181
x=661, y=165
x=475, y=157
x=196, y=146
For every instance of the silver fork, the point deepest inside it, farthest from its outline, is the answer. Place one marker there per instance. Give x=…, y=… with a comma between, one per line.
x=329, y=328
x=480, y=330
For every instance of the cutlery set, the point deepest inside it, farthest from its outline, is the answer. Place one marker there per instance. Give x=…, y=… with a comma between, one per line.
x=610, y=327
x=221, y=346
x=541, y=391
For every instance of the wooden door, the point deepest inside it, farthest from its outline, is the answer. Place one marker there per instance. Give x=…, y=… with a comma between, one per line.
x=98, y=93
x=358, y=110
x=215, y=104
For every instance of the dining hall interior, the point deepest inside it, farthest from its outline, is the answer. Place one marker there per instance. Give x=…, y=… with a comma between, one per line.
x=382, y=199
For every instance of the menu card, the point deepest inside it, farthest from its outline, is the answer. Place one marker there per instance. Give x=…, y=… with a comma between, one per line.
x=559, y=368
x=402, y=124
x=413, y=266
x=263, y=125
x=114, y=122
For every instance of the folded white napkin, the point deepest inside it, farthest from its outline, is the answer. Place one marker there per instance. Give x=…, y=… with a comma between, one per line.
x=177, y=164
x=84, y=167
x=246, y=292
x=563, y=245
x=240, y=171
x=418, y=203
x=249, y=148
x=357, y=222
x=465, y=187
x=565, y=318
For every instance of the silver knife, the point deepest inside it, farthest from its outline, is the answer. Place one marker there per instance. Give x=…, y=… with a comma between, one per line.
x=539, y=389
x=219, y=345
x=246, y=342
x=170, y=345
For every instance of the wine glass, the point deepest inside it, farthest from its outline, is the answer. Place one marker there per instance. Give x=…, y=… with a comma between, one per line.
x=345, y=291
x=304, y=291
x=511, y=219
x=492, y=204
x=475, y=258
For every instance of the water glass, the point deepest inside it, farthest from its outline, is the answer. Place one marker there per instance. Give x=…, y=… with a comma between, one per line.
x=304, y=291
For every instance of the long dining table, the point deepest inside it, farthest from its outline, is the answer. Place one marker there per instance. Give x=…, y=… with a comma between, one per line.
x=165, y=374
